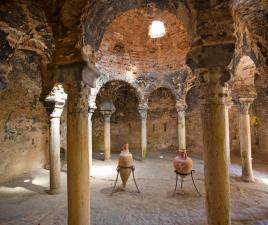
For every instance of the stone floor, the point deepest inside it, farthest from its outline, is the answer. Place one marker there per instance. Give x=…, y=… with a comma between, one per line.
x=24, y=201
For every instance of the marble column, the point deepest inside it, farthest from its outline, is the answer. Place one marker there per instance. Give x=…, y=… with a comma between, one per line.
x=90, y=133
x=245, y=138
x=215, y=136
x=78, y=156
x=210, y=63
x=107, y=109
x=143, y=114
x=54, y=104
x=181, y=126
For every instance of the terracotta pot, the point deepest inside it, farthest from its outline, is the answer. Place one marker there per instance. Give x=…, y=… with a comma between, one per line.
x=182, y=163
x=125, y=161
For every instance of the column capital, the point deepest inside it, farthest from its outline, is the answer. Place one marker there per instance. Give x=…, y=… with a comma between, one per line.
x=243, y=104
x=107, y=108
x=181, y=106
x=55, y=101
x=143, y=109
x=214, y=86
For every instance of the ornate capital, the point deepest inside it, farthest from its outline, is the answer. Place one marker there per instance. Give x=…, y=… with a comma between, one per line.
x=107, y=108
x=214, y=86
x=143, y=109
x=243, y=104
x=55, y=101
x=181, y=106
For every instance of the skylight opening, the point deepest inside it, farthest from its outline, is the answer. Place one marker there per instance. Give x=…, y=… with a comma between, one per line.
x=157, y=29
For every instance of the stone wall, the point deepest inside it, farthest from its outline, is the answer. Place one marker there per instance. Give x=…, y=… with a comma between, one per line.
x=23, y=119
x=162, y=132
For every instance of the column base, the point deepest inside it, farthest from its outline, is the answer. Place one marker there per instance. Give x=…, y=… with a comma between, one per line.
x=53, y=191
x=248, y=179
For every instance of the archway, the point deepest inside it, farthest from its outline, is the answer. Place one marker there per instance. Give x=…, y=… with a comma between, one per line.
x=162, y=121
x=125, y=121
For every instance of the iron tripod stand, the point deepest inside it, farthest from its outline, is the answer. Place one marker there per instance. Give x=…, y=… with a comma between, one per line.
x=133, y=174
x=182, y=175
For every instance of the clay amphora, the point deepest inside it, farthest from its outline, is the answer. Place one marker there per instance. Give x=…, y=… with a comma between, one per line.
x=182, y=163
x=125, y=163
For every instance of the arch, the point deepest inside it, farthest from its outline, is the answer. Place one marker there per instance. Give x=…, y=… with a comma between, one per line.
x=244, y=77
x=153, y=87
x=125, y=120
x=95, y=25
x=104, y=80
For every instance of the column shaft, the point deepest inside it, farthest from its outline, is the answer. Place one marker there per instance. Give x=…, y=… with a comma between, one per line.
x=78, y=157
x=90, y=133
x=54, y=155
x=245, y=147
x=107, y=137
x=181, y=130
x=216, y=162
x=144, y=138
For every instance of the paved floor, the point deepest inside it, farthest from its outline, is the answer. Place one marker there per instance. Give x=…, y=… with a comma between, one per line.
x=24, y=201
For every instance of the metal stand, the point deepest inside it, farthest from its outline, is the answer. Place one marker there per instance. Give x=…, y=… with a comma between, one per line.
x=133, y=174
x=182, y=175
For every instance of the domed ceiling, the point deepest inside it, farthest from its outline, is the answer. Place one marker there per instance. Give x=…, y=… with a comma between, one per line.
x=127, y=47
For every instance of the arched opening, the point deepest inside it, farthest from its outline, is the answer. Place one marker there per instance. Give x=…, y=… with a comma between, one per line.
x=125, y=121
x=243, y=87
x=162, y=121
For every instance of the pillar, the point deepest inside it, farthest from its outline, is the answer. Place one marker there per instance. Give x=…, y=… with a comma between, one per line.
x=229, y=104
x=107, y=109
x=54, y=104
x=107, y=136
x=78, y=156
x=216, y=155
x=90, y=133
x=143, y=114
x=181, y=125
x=245, y=138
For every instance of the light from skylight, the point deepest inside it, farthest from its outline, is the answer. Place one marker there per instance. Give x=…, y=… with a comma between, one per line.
x=157, y=29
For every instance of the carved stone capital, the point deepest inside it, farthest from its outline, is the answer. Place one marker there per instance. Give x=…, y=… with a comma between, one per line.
x=214, y=86
x=143, y=109
x=55, y=101
x=243, y=104
x=107, y=108
x=181, y=106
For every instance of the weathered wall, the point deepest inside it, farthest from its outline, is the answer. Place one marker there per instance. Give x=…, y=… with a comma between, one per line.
x=23, y=119
x=162, y=121
x=26, y=47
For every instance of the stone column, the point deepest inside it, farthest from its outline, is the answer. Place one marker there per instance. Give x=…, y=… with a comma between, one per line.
x=143, y=114
x=216, y=155
x=78, y=157
x=54, y=104
x=107, y=109
x=245, y=138
x=90, y=133
x=210, y=63
x=77, y=79
x=181, y=125
x=229, y=104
